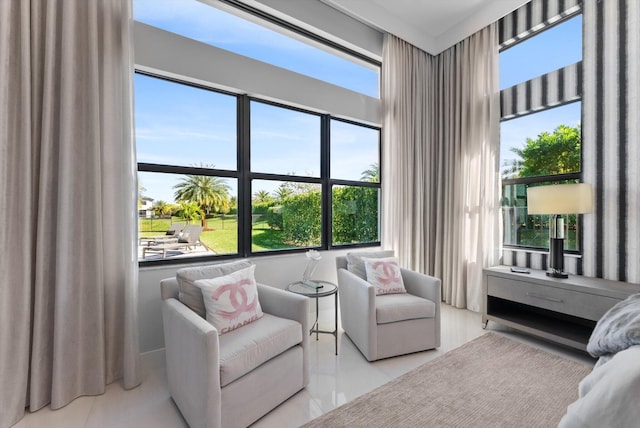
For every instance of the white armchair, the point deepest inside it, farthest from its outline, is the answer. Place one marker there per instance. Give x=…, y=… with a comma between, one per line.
x=234, y=379
x=392, y=324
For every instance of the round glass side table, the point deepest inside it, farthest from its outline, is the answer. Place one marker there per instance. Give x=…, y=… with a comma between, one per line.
x=325, y=289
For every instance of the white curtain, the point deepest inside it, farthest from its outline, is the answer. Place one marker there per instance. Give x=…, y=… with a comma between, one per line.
x=68, y=270
x=440, y=161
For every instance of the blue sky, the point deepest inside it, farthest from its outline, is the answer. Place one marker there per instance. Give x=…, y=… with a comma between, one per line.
x=182, y=125
x=550, y=50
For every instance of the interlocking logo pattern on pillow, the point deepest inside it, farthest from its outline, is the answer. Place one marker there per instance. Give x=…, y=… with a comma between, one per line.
x=231, y=301
x=384, y=274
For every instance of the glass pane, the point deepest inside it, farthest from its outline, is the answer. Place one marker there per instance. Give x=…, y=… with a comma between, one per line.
x=354, y=152
x=355, y=214
x=285, y=214
x=177, y=124
x=284, y=141
x=542, y=53
x=198, y=21
x=170, y=199
x=542, y=143
x=521, y=229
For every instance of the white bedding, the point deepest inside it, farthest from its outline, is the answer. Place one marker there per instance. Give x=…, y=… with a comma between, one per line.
x=610, y=395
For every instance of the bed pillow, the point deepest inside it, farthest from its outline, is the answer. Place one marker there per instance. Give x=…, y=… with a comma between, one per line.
x=384, y=274
x=355, y=264
x=190, y=295
x=618, y=329
x=231, y=301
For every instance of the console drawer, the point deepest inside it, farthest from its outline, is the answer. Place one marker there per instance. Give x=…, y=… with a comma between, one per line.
x=579, y=304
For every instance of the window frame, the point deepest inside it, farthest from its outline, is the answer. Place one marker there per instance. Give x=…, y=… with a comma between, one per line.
x=245, y=176
x=578, y=175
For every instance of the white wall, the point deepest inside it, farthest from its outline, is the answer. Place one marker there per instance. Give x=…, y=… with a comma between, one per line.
x=276, y=270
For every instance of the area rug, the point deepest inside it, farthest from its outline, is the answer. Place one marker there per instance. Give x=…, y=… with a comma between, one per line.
x=492, y=381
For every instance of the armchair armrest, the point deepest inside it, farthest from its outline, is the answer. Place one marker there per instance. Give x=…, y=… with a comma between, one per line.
x=427, y=287
x=193, y=369
x=358, y=310
x=292, y=306
x=284, y=304
x=421, y=285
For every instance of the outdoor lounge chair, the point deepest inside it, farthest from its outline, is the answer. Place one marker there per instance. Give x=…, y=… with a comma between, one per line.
x=188, y=240
x=172, y=235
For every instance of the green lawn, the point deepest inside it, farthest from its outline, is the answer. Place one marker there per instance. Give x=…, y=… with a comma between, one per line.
x=156, y=226
x=264, y=238
x=221, y=235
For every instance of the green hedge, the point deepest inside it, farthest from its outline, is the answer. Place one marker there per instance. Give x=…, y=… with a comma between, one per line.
x=355, y=215
x=301, y=219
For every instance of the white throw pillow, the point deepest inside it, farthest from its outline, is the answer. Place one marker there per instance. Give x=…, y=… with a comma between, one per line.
x=355, y=261
x=190, y=295
x=384, y=274
x=231, y=301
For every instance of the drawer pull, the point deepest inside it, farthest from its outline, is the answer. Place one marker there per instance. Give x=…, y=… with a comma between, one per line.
x=551, y=299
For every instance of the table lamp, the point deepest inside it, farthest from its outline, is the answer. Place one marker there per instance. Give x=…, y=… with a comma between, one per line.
x=556, y=200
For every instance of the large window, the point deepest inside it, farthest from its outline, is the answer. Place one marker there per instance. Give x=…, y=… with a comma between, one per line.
x=199, y=21
x=540, y=137
x=248, y=176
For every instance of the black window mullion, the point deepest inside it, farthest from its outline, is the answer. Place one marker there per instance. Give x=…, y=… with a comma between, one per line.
x=325, y=173
x=337, y=182
x=541, y=178
x=244, y=167
x=186, y=170
x=284, y=177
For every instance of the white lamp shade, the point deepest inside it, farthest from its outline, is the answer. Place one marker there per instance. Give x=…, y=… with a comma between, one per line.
x=560, y=199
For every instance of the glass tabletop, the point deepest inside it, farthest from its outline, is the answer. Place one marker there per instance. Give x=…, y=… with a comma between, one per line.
x=326, y=289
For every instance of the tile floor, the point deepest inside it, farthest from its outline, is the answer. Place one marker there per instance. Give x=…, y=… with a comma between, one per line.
x=335, y=380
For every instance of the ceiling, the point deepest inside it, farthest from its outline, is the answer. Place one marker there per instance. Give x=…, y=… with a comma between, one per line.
x=432, y=25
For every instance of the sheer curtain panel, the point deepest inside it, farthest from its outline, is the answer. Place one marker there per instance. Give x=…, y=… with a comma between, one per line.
x=68, y=195
x=440, y=153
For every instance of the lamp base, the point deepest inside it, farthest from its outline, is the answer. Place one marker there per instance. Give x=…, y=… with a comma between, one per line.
x=556, y=253
x=557, y=274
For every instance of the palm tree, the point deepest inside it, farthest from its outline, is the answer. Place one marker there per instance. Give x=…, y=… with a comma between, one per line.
x=210, y=193
x=511, y=168
x=262, y=196
x=372, y=173
x=161, y=208
x=191, y=211
x=283, y=192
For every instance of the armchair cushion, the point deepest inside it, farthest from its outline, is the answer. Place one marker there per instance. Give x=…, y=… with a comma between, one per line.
x=401, y=307
x=231, y=300
x=384, y=274
x=190, y=294
x=248, y=347
x=355, y=264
